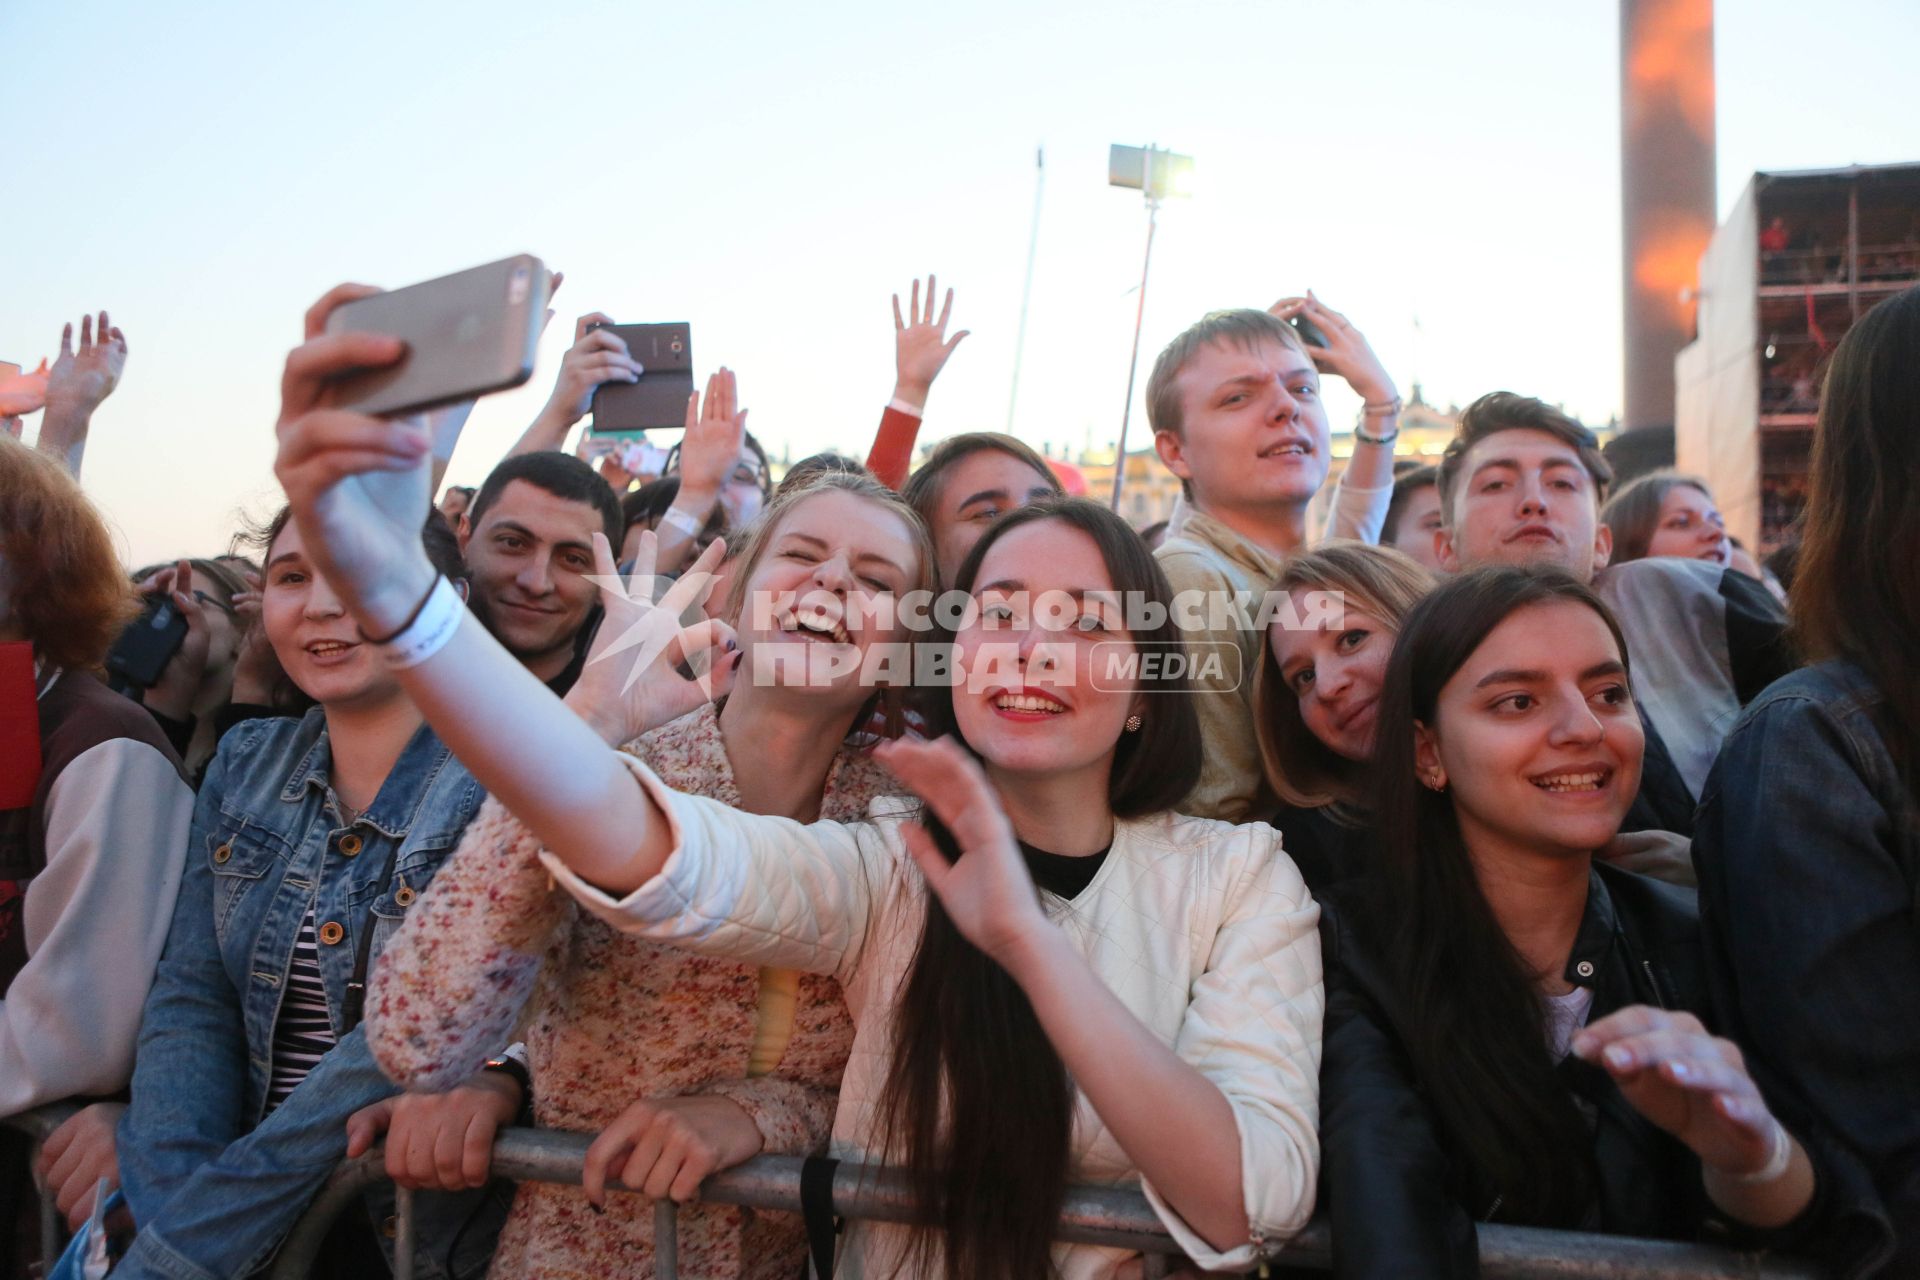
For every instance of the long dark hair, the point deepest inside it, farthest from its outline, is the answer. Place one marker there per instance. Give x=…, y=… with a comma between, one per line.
x=977, y=1101
x=1856, y=586
x=1474, y=1027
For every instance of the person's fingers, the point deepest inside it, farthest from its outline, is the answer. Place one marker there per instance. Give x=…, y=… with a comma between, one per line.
x=954, y=341
x=926, y=855
x=605, y=1152
x=365, y=1126
x=693, y=411
x=1749, y=1112
x=599, y=339
x=327, y=444
x=476, y=1153
x=102, y=330
x=950, y=781
x=898, y=322
x=695, y=1169
x=86, y=334
x=310, y=365
x=316, y=317
x=1706, y=1075
x=449, y=1153
x=55, y=1147
x=66, y=343
x=120, y=340
x=913, y=309
x=647, y=1147
x=946, y=310
x=674, y=1152
x=604, y=565
x=554, y=280
x=1633, y=1020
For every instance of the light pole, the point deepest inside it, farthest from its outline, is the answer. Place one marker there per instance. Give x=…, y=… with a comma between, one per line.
x=1156, y=174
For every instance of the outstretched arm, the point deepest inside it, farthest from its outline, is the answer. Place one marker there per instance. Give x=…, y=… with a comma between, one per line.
x=1360, y=501
x=359, y=488
x=596, y=356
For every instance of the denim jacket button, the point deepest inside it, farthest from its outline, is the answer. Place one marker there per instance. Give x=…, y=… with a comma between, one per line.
x=391, y=1227
x=404, y=897
x=350, y=844
x=1584, y=968
x=221, y=854
x=331, y=932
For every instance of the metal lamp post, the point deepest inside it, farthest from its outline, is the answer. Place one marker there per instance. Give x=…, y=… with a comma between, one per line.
x=1156, y=174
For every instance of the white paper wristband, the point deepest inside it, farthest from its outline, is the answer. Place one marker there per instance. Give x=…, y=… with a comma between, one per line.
x=684, y=521
x=430, y=629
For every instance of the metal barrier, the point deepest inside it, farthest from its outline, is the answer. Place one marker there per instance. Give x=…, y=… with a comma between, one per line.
x=1092, y=1215
x=1113, y=1216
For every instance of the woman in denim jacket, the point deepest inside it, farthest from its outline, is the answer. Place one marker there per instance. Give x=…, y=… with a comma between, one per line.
x=1808, y=839
x=310, y=839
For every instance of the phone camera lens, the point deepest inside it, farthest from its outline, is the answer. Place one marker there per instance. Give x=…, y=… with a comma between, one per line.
x=676, y=346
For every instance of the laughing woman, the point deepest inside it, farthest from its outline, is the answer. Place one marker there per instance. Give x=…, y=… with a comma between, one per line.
x=1513, y=1028
x=1149, y=1013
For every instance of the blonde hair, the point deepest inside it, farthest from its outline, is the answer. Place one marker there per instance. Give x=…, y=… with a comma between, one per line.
x=759, y=536
x=1301, y=769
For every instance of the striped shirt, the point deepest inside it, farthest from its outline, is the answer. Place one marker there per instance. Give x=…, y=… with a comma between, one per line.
x=303, y=1031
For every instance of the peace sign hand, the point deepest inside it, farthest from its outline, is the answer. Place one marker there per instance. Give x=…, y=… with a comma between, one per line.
x=987, y=890
x=633, y=679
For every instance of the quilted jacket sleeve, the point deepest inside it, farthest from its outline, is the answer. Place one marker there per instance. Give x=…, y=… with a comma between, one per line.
x=447, y=992
x=1253, y=1029
x=752, y=888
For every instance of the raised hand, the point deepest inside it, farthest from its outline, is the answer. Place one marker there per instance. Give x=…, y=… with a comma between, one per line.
x=716, y=432
x=987, y=890
x=173, y=693
x=920, y=344
x=632, y=679
x=359, y=486
x=1693, y=1085
x=82, y=377
x=596, y=356
x=256, y=667
x=24, y=392
x=1346, y=353
x=664, y=1148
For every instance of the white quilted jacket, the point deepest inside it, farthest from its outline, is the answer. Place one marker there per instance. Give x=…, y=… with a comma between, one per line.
x=1204, y=929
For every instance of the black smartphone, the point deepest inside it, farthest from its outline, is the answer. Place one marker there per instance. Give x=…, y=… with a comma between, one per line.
x=147, y=645
x=467, y=334
x=658, y=401
x=1309, y=331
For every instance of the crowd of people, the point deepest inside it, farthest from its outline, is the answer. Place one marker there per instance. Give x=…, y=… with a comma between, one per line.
x=1510, y=848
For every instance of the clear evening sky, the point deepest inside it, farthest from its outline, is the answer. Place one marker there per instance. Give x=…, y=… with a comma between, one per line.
x=772, y=172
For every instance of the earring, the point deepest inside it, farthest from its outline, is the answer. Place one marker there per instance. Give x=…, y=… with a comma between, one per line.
x=1133, y=724
x=1433, y=783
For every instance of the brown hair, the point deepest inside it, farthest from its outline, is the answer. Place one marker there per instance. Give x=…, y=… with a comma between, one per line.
x=1856, y=586
x=66, y=592
x=1405, y=485
x=1634, y=513
x=1243, y=327
x=923, y=488
x=1386, y=583
x=1499, y=411
x=891, y=700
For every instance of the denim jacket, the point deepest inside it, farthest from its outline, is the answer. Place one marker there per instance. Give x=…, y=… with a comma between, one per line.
x=214, y=1182
x=1808, y=849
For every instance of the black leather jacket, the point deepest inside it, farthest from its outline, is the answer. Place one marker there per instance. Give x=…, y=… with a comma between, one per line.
x=1395, y=1194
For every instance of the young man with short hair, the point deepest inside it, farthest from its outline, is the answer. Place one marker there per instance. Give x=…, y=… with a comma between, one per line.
x=528, y=541
x=1413, y=516
x=1522, y=483
x=1235, y=407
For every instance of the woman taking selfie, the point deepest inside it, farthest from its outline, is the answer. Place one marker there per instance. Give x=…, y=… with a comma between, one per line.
x=1513, y=1028
x=1809, y=835
x=310, y=839
x=1155, y=1017
x=1316, y=696
x=738, y=1059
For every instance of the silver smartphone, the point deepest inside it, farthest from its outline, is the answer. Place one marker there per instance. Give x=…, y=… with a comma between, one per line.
x=467, y=334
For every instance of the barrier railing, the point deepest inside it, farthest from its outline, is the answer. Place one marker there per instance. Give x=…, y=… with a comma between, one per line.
x=1092, y=1215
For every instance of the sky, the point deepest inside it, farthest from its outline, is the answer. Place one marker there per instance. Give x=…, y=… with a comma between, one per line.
x=1446, y=174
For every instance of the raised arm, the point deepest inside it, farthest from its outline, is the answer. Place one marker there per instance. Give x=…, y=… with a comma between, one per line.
x=359, y=488
x=77, y=384
x=1360, y=500
x=596, y=356
x=709, y=451
x=920, y=351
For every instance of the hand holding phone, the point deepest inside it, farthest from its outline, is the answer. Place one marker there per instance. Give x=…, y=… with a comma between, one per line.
x=467, y=335
x=656, y=398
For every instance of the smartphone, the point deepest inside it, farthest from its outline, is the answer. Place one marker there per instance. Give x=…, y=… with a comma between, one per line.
x=147, y=645
x=467, y=334
x=658, y=402
x=1309, y=331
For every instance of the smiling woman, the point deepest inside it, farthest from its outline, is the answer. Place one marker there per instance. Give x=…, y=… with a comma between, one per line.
x=1485, y=970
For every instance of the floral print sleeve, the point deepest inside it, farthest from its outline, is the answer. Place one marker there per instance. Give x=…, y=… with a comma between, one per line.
x=449, y=988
